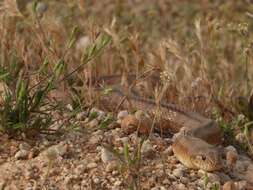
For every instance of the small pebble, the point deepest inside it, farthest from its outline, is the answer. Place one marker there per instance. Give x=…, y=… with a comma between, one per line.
x=240, y=138
x=96, y=180
x=22, y=154
x=122, y=114
x=24, y=146
x=80, y=169
x=106, y=155
x=178, y=172
x=91, y=165
x=213, y=177
x=231, y=158
x=111, y=166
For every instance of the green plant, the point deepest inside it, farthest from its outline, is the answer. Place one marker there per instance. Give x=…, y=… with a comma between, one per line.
x=26, y=107
x=130, y=163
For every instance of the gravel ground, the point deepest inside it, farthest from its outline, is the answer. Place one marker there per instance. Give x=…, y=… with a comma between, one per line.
x=79, y=160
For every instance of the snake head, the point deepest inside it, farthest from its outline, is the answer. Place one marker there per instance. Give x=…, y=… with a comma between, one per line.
x=209, y=160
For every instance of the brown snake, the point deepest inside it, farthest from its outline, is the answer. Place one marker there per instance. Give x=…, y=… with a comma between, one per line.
x=195, y=147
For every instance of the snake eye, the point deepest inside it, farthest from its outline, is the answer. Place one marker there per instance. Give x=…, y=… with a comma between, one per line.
x=201, y=157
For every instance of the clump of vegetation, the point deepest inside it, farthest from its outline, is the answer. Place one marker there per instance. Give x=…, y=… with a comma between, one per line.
x=25, y=92
x=130, y=163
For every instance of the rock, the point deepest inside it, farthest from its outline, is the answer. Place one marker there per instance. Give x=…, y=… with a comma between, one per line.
x=81, y=115
x=56, y=150
x=178, y=172
x=21, y=154
x=145, y=122
x=123, y=140
x=61, y=149
x=181, y=186
x=240, y=166
x=91, y=165
x=82, y=43
x=147, y=149
x=106, y=155
x=229, y=185
x=230, y=148
x=213, y=177
x=24, y=146
x=95, y=139
x=51, y=153
x=96, y=180
x=93, y=123
x=111, y=166
x=28, y=174
x=166, y=182
x=101, y=115
x=131, y=124
x=231, y=158
x=117, y=183
x=80, y=169
x=69, y=107
x=240, y=138
x=201, y=173
x=45, y=142
x=168, y=151
x=122, y=114
x=115, y=172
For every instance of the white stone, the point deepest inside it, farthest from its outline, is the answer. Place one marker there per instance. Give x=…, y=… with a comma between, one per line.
x=213, y=177
x=96, y=180
x=80, y=169
x=82, y=43
x=230, y=148
x=92, y=165
x=111, y=166
x=178, y=172
x=147, y=147
x=106, y=155
x=122, y=114
x=21, y=154
x=24, y=146
x=240, y=138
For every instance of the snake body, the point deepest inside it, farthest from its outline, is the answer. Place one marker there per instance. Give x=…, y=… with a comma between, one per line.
x=195, y=146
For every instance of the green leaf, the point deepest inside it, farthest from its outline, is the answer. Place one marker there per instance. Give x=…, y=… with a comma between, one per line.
x=126, y=154
x=104, y=124
x=38, y=97
x=93, y=115
x=73, y=37
x=58, y=69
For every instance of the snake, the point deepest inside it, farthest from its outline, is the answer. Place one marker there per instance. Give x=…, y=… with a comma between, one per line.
x=197, y=139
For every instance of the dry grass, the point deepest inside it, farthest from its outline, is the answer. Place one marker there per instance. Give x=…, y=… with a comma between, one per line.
x=202, y=49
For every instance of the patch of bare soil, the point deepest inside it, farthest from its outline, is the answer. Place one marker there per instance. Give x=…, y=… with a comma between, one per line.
x=78, y=160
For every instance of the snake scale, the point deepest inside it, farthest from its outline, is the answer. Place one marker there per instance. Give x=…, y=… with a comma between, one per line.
x=195, y=144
